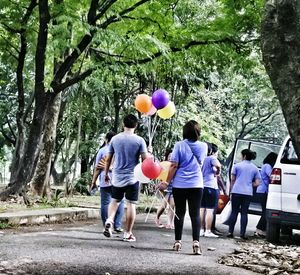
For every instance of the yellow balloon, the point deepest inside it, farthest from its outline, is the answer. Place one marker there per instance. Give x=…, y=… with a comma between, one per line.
x=167, y=111
x=165, y=170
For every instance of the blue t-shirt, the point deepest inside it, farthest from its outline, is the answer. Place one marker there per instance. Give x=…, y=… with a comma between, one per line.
x=190, y=156
x=127, y=149
x=246, y=173
x=102, y=153
x=265, y=173
x=209, y=176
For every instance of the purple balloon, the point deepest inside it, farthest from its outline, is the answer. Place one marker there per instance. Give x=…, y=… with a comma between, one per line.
x=160, y=98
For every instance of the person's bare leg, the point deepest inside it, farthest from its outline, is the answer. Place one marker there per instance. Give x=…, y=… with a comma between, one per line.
x=112, y=210
x=209, y=219
x=202, y=218
x=130, y=216
x=171, y=213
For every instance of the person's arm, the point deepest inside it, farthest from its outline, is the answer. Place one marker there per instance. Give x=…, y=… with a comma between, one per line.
x=257, y=179
x=107, y=167
x=256, y=183
x=172, y=170
x=232, y=182
x=221, y=184
x=95, y=176
x=217, y=167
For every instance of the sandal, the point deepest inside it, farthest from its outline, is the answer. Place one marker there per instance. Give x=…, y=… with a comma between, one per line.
x=196, y=248
x=158, y=224
x=177, y=246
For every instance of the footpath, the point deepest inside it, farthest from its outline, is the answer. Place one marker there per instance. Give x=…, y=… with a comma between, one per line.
x=83, y=208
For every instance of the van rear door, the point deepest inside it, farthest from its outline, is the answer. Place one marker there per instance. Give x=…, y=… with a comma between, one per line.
x=262, y=149
x=290, y=179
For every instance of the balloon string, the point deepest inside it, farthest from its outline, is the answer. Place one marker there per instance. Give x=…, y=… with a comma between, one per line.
x=155, y=127
x=162, y=195
x=154, y=198
x=149, y=130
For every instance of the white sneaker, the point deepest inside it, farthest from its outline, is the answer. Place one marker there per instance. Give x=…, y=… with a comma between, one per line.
x=108, y=228
x=202, y=232
x=128, y=237
x=209, y=234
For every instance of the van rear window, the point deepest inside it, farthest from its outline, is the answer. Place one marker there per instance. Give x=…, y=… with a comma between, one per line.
x=289, y=155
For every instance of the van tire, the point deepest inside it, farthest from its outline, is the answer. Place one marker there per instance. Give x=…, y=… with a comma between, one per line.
x=285, y=230
x=273, y=232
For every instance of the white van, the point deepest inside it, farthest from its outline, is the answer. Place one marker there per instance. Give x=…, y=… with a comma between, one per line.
x=283, y=204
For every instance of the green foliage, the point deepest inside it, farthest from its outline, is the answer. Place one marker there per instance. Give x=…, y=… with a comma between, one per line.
x=219, y=81
x=82, y=184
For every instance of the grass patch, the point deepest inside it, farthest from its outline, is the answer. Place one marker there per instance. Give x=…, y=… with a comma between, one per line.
x=5, y=225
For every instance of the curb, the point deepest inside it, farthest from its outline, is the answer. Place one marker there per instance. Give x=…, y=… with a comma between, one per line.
x=44, y=216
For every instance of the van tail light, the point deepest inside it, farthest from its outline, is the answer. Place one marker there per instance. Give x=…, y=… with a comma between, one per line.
x=276, y=176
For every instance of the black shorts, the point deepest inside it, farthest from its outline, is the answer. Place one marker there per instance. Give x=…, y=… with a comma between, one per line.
x=131, y=193
x=209, y=198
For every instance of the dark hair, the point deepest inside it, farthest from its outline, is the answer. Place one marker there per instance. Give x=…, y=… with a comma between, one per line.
x=209, y=148
x=191, y=130
x=167, y=153
x=110, y=135
x=130, y=121
x=214, y=148
x=270, y=159
x=248, y=154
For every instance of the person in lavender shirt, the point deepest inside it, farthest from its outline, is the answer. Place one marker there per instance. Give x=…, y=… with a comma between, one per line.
x=185, y=173
x=106, y=187
x=210, y=169
x=244, y=176
x=262, y=191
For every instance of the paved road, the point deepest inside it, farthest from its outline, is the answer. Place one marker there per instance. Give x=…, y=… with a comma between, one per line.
x=81, y=248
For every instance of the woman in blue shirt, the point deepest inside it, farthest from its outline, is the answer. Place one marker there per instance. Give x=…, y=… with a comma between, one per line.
x=244, y=176
x=187, y=181
x=106, y=188
x=262, y=191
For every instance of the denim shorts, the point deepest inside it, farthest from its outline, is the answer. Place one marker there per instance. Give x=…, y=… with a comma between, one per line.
x=131, y=193
x=209, y=198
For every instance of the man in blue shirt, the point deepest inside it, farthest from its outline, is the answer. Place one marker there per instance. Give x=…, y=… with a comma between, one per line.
x=126, y=148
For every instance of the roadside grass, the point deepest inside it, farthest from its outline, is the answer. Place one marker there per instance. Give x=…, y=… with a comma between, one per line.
x=145, y=202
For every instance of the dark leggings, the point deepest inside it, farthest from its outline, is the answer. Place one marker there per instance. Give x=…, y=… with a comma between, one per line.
x=262, y=224
x=193, y=196
x=239, y=203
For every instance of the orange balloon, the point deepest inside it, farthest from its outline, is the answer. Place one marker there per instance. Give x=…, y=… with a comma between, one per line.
x=143, y=103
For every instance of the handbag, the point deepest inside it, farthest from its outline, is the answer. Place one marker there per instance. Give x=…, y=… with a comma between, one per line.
x=223, y=200
x=224, y=216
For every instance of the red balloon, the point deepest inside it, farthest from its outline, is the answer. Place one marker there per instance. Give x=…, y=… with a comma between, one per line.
x=150, y=168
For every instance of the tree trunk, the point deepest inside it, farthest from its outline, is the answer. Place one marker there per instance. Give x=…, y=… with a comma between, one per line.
x=41, y=176
x=281, y=56
x=26, y=167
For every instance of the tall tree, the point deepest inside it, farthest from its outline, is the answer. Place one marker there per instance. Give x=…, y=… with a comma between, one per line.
x=281, y=54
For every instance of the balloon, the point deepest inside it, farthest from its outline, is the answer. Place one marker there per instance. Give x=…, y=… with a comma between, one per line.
x=138, y=174
x=165, y=165
x=152, y=111
x=160, y=98
x=151, y=168
x=143, y=103
x=168, y=111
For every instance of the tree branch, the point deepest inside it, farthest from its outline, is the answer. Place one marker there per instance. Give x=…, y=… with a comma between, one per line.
x=73, y=80
x=117, y=18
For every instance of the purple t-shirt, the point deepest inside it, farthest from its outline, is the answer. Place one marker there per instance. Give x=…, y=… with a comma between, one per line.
x=246, y=173
x=209, y=177
x=103, y=152
x=127, y=149
x=190, y=156
x=265, y=173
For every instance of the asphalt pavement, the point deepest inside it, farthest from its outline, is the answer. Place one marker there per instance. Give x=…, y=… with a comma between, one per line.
x=79, y=247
